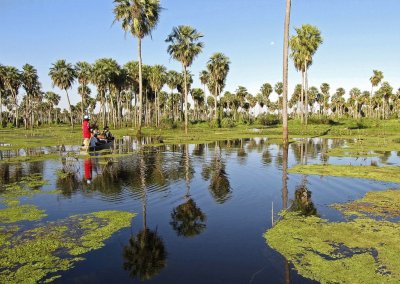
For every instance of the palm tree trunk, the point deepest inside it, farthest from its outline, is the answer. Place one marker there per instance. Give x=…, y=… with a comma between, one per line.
x=306, y=94
x=70, y=111
x=302, y=97
x=186, y=100
x=82, y=107
x=215, y=102
x=285, y=74
x=139, y=132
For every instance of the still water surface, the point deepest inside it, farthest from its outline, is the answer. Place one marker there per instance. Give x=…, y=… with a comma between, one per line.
x=204, y=208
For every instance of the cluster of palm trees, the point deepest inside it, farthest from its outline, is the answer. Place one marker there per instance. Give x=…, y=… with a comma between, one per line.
x=134, y=93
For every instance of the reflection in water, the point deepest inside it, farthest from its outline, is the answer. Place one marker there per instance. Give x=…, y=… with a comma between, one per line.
x=145, y=255
x=187, y=218
x=302, y=202
x=219, y=183
x=285, y=154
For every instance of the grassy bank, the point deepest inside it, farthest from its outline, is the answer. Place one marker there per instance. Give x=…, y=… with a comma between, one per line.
x=373, y=133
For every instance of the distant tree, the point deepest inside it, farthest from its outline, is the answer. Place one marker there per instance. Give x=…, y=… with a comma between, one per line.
x=12, y=83
x=184, y=47
x=304, y=45
x=218, y=68
x=63, y=76
x=83, y=74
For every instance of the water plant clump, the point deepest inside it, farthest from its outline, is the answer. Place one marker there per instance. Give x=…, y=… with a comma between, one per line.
x=387, y=173
x=362, y=250
x=374, y=204
x=41, y=253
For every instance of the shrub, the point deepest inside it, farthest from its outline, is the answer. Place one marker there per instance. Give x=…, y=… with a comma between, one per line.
x=268, y=119
x=227, y=122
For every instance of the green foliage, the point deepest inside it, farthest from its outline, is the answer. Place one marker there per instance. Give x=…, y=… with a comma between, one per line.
x=268, y=119
x=168, y=123
x=213, y=123
x=227, y=122
x=362, y=250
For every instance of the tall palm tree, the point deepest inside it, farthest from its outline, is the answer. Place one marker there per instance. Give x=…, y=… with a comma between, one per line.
x=63, y=76
x=203, y=76
x=184, y=47
x=303, y=46
x=12, y=83
x=139, y=17
x=84, y=74
x=325, y=93
x=31, y=85
x=157, y=80
x=52, y=99
x=285, y=74
x=375, y=79
x=2, y=91
x=172, y=82
x=218, y=68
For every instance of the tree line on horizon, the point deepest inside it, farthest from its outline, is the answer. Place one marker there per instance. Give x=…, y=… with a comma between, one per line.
x=136, y=93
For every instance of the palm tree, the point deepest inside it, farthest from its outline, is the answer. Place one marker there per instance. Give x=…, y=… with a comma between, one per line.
x=172, y=82
x=84, y=74
x=63, y=75
x=266, y=91
x=285, y=73
x=139, y=17
x=2, y=90
x=157, y=81
x=325, y=93
x=375, y=79
x=12, y=82
x=218, y=68
x=184, y=47
x=203, y=76
x=198, y=98
x=52, y=99
x=304, y=45
x=31, y=84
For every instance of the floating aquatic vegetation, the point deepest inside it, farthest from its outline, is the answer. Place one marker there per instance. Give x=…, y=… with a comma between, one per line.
x=40, y=254
x=363, y=250
x=18, y=213
x=380, y=204
x=388, y=173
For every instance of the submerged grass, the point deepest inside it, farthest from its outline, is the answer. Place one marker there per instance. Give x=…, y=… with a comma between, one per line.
x=388, y=173
x=363, y=250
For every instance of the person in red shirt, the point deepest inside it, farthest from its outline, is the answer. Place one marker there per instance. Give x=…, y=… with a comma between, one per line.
x=86, y=131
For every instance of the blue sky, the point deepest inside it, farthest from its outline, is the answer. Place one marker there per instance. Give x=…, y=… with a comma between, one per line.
x=359, y=36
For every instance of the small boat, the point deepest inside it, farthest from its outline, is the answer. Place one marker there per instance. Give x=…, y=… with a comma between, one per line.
x=107, y=145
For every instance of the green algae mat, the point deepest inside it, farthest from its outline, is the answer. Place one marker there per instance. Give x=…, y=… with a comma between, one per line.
x=387, y=173
x=364, y=249
x=38, y=252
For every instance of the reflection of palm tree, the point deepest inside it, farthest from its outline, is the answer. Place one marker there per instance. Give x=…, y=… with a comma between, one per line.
x=302, y=202
x=187, y=218
x=219, y=185
x=145, y=255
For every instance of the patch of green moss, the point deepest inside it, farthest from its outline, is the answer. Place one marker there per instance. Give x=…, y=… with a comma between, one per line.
x=380, y=204
x=362, y=250
x=19, y=213
x=388, y=173
x=31, y=158
x=40, y=254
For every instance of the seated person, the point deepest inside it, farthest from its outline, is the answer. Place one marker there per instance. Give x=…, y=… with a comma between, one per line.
x=94, y=140
x=107, y=134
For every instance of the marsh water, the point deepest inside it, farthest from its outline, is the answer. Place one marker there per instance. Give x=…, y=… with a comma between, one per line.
x=201, y=209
